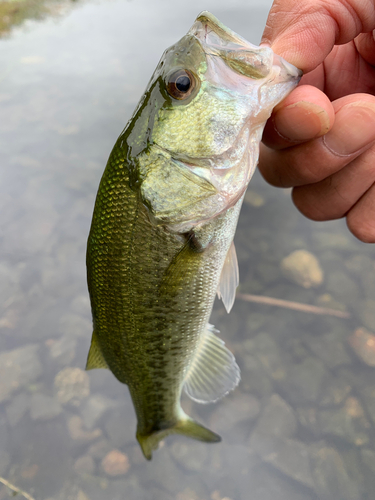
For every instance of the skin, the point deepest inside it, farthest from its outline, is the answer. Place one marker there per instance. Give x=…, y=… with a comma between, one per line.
x=321, y=139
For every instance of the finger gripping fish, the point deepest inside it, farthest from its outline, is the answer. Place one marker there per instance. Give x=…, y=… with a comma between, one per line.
x=161, y=240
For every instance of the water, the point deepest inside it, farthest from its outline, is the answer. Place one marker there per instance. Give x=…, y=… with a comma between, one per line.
x=301, y=424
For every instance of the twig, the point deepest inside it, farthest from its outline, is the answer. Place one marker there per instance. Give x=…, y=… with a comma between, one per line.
x=15, y=489
x=271, y=301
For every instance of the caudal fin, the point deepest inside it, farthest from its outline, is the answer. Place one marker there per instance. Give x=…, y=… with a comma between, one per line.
x=186, y=426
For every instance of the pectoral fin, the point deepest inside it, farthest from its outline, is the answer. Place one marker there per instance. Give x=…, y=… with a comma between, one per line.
x=213, y=371
x=95, y=358
x=229, y=279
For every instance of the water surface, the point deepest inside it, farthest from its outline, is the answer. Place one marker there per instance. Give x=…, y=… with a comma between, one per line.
x=300, y=426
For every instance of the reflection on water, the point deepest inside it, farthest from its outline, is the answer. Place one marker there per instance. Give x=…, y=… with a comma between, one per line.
x=301, y=424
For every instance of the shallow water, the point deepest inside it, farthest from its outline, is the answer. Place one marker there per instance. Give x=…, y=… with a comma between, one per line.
x=300, y=426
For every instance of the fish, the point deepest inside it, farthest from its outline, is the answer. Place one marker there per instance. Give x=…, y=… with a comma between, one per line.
x=160, y=245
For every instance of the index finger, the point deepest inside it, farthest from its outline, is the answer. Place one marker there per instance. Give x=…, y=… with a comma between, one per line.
x=305, y=32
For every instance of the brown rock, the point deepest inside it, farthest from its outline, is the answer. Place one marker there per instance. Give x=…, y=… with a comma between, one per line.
x=115, y=463
x=363, y=344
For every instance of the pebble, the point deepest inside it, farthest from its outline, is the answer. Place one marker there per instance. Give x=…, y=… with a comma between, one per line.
x=99, y=449
x=120, y=427
x=18, y=368
x=72, y=386
x=277, y=419
x=94, y=408
x=331, y=479
x=63, y=350
x=17, y=408
x=191, y=456
x=44, y=407
x=330, y=348
x=78, y=433
x=305, y=380
x=289, y=456
x=115, y=463
x=302, y=268
x=240, y=408
x=363, y=344
x=347, y=423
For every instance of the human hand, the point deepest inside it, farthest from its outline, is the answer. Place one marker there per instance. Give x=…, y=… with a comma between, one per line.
x=321, y=139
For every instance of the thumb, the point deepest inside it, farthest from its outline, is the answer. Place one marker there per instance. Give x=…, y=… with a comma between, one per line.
x=305, y=32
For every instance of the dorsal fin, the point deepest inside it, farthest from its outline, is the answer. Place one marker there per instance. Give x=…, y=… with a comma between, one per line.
x=229, y=279
x=213, y=371
x=95, y=358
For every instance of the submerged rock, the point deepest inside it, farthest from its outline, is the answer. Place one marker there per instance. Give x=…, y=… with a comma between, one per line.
x=363, y=344
x=347, y=423
x=331, y=479
x=18, y=368
x=72, y=386
x=289, y=456
x=240, y=408
x=115, y=463
x=191, y=456
x=303, y=268
x=94, y=408
x=277, y=419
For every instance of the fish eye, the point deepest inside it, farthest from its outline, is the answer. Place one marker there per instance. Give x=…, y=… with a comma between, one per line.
x=180, y=84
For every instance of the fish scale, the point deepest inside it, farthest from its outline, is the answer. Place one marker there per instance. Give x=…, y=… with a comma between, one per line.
x=161, y=239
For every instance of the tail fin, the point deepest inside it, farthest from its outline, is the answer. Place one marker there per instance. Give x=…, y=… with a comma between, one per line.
x=186, y=426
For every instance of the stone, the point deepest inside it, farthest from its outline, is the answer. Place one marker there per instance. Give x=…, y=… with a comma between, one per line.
x=302, y=268
x=120, y=428
x=334, y=392
x=240, y=408
x=44, y=407
x=289, y=456
x=84, y=465
x=94, y=408
x=100, y=449
x=264, y=483
x=72, y=386
x=277, y=419
x=331, y=479
x=363, y=344
x=305, y=380
x=17, y=408
x=78, y=433
x=366, y=312
x=330, y=348
x=191, y=455
x=115, y=463
x=18, y=368
x=63, y=350
x=347, y=423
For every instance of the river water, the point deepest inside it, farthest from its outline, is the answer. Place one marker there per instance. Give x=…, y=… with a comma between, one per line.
x=300, y=426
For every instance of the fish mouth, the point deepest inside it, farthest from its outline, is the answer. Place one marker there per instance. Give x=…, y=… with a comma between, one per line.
x=242, y=56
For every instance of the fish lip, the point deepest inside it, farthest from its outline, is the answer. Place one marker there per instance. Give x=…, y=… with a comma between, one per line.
x=206, y=20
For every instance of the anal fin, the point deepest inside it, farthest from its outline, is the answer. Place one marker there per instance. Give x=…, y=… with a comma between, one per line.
x=213, y=371
x=95, y=358
x=229, y=279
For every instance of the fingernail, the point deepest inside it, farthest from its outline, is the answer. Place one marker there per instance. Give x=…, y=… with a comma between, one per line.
x=354, y=128
x=301, y=121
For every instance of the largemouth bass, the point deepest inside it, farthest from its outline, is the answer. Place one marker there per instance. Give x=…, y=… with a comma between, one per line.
x=161, y=239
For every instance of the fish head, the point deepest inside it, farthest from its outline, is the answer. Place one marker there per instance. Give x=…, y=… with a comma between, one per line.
x=203, y=115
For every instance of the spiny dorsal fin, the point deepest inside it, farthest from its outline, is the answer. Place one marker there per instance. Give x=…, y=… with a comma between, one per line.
x=229, y=279
x=213, y=371
x=95, y=357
